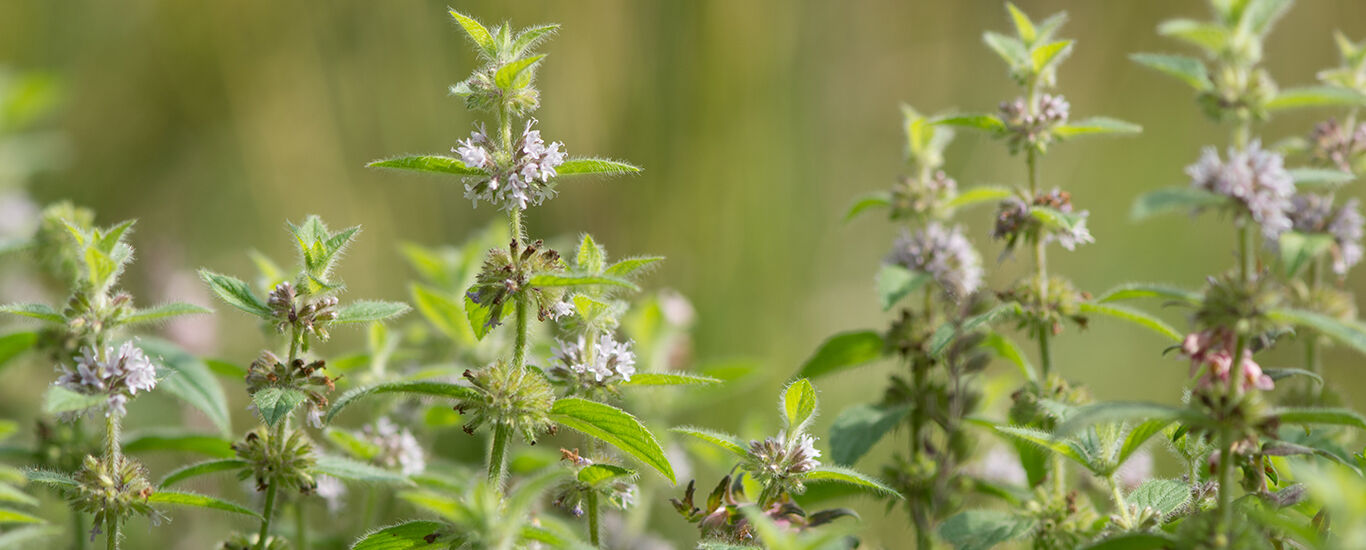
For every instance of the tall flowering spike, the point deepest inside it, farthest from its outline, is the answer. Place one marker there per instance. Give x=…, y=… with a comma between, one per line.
x=118, y=373
x=1255, y=178
x=1311, y=213
x=515, y=183
x=944, y=254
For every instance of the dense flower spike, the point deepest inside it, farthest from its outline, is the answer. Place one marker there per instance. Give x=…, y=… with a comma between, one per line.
x=777, y=460
x=1015, y=220
x=1255, y=178
x=1211, y=354
x=311, y=316
x=274, y=459
x=112, y=491
x=518, y=399
x=269, y=371
x=919, y=198
x=515, y=183
x=506, y=273
x=1311, y=213
x=1033, y=129
x=944, y=254
x=1334, y=145
x=396, y=445
x=611, y=361
x=118, y=373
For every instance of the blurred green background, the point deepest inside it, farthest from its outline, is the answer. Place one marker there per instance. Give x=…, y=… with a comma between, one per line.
x=757, y=121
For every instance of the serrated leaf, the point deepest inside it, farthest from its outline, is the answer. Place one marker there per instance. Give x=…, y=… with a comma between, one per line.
x=412, y=535
x=1130, y=291
x=583, y=166
x=176, y=440
x=1010, y=49
x=1320, y=177
x=576, y=279
x=15, y=516
x=614, y=427
x=1169, y=199
x=1006, y=348
x=202, y=468
x=236, y=293
x=368, y=311
x=983, y=529
x=1335, y=417
x=590, y=257
x=481, y=317
x=596, y=474
x=629, y=266
x=976, y=195
x=669, y=379
x=1134, y=316
x=36, y=311
x=177, y=498
x=895, y=282
x=858, y=428
x=477, y=34
x=530, y=37
x=1190, y=70
x=275, y=403
x=798, y=405
x=50, y=478
x=415, y=387
x=163, y=312
x=1046, y=441
x=837, y=474
x=432, y=164
x=722, y=440
x=1208, y=36
x=1164, y=496
x=190, y=380
x=1299, y=249
x=341, y=467
x=59, y=400
x=1315, y=96
x=1120, y=411
x=1047, y=55
x=1139, y=435
x=990, y=123
x=14, y=344
x=843, y=351
x=1024, y=28
x=876, y=199
x=1349, y=334
x=516, y=74
x=1096, y=126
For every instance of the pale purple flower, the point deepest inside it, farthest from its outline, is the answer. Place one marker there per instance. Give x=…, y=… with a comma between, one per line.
x=1315, y=214
x=121, y=372
x=612, y=361
x=944, y=254
x=524, y=180
x=397, y=446
x=1255, y=178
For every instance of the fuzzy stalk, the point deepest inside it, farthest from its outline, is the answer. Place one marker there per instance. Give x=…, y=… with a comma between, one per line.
x=265, y=516
x=113, y=456
x=300, y=525
x=1120, y=503
x=79, y=529
x=1225, y=469
x=498, y=453
x=1040, y=253
x=112, y=540
x=594, y=528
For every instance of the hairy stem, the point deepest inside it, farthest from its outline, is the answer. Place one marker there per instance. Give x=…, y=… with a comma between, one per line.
x=300, y=525
x=112, y=540
x=80, y=530
x=1247, y=258
x=1120, y=503
x=1040, y=253
x=265, y=517
x=593, y=520
x=498, y=453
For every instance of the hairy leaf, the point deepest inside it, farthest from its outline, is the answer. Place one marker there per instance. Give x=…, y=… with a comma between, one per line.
x=614, y=427
x=1129, y=291
x=190, y=380
x=176, y=440
x=990, y=123
x=412, y=535
x=37, y=311
x=432, y=164
x=843, y=351
x=836, y=474
x=859, y=427
x=163, y=312
x=1097, y=126
x=1170, y=199
x=983, y=529
x=1190, y=70
x=176, y=498
x=976, y=195
x=1351, y=334
x=341, y=467
x=1134, y=316
x=1315, y=96
x=607, y=167
x=799, y=405
x=876, y=199
x=413, y=387
x=722, y=440
x=895, y=282
x=275, y=403
x=14, y=344
x=202, y=468
x=236, y=293
x=367, y=311
x=669, y=379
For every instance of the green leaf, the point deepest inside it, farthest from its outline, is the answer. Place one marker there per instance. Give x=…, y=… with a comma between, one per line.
x=1352, y=335
x=990, y=123
x=799, y=405
x=443, y=312
x=54, y=479
x=354, y=446
x=876, y=199
x=607, y=167
x=944, y=335
x=1134, y=541
x=1097, y=126
x=1138, y=436
x=164, y=311
x=14, y=344
x=29, y=536
x=1046, y=441
x=1129, y=291
x=614, y=427
x=1134, y=316
x=975, y=195
x=576, y=279
x=843, y=351
x=1164, y=496
x=176, y=440
x=1120, y=411
x=590, y=258
x=202, y=468
x=669, y=379
x=12, y=494
x=59, y=400
x=15, y=516
x=1208, y=36
x=1315, y=96
x=530, y=37
x=1024, y=28
x=1259, y=15
x=367, y=311
x=837, y=474
x=341, y=467
x=1011, y=50
x=1006, y=348
x=432, y=164
x=722, y=440
x=1320, y=177
x=596, y=474
x=1336, y=417
x=478, y=34
x=983, y=529
x=1050, y=54
x=1298, y=249
x=415, y=387
x=275, y=403
x=859, y=427
x=36, y=311
x=1052, y=217
x=410, y=535
x=1171, y=199
x=226, y=369
x=628, y=266
x=177, y=498
x=236, y=293
x=894, y=282
x=1279, y=373
x=481, y=318
x=190, y=380
x=1190, y=70
x=516, y=74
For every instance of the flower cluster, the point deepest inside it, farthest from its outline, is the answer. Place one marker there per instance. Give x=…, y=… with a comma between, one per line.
x=522, y=180
x=775, y=459
x=611, y=361
x=396, y=445
x=1335, y=145
x=1015, y=219
x=1033, y=129
x=121, y=373
x=1210, y=351
x=311, y=317
x=921, y=197
x=287, y=460
x=944, y=254
x=508, y=272
x=306, y=376
x=1255, y=178
x=516, y=398
x=112, y=491
x=1311, y=213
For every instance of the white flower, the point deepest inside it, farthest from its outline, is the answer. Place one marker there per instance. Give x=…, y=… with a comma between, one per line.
x=397, y=447
x=1315, y=214
x=525, y=182
x=1255, y=178
x=561, y=309
x=613, y=361
x=124, y=372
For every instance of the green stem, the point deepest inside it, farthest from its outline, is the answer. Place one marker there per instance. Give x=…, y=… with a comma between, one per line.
x=265, y=518
x=1040, y=254
x=80, y=530
x=1120, y=503
x=1247, y=258
x=300, y=525
x=111, y=440
x=112, y=540
x=1225, y=502
x=1242, y=134
x=498, y=453
x=1045, y=356
x=593, y=520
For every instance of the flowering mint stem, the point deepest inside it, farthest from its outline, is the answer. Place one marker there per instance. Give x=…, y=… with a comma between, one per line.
x=265, y=516
x=112, y=542
x=593, y=528
x=1040, y=250
x=112, y=456
x=1118, y=496
x=498, y=453
x=1225, y=470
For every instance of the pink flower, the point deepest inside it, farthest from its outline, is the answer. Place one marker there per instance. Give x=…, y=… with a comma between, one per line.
x=1212, y=350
